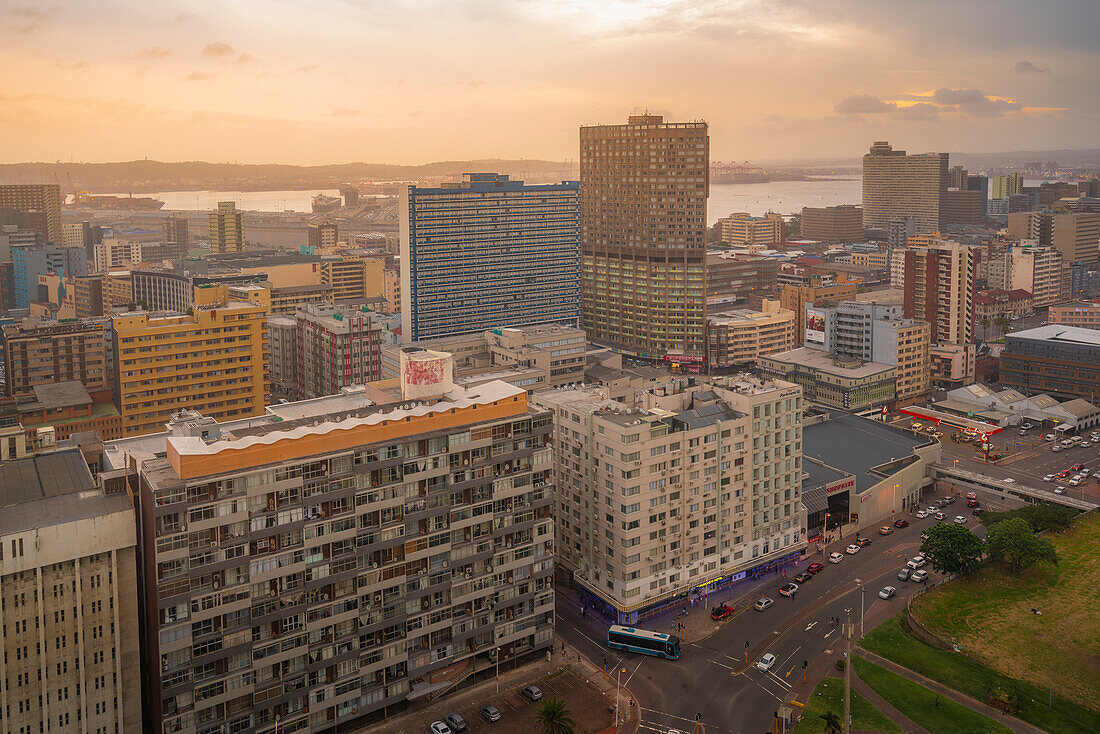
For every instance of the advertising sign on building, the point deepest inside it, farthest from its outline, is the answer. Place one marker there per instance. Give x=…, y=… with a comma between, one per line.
x=815, y=326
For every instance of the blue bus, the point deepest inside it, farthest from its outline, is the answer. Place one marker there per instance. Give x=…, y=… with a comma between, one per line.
x=645, y=642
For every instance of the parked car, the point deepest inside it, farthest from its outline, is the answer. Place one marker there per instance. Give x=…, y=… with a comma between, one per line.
x=835, y=558
x=921, y=514
x=455, y=721
x=863, y=542
x=903, y=574
x=915, y=562
x=490, y=713
x=1077, y=467
x=720, y=612
x=532, y=693
x=803, y=577
x=788, y=589
x=1027, y=426
x=766, y=662
x=960, y=519
x=940, y=516
x=887, y=592
x=815, y=568
x=852, y=549
x=886, y=530
x=919, y=576
x=1049, y=437
x=438, y=727
x=763, y=603
x=1008, y=480
x=1086, y=444
x=901, y=523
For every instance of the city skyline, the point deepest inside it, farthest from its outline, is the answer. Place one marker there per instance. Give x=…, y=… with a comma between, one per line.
x=355, y=81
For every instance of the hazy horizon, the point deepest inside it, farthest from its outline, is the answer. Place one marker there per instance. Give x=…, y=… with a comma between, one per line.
x=402, y=82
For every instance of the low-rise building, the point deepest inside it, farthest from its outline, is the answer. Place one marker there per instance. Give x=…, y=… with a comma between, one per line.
x=841, y=383
x=991, y=305
x=1063, y=361
x=288, y=299
x=1082, y=314
x=952, y=365
x=744, y=230
x=692, y=491
x=737, y=337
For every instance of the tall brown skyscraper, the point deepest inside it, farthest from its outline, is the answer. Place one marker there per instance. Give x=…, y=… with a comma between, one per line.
x=176, y=235
x=45, y=198
x=900, y=186
x=644, y=189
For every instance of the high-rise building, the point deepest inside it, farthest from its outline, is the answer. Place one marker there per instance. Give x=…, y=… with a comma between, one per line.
x=177, y=237
x=350, y=194
x=832, y=223
x=744, y=230
x=88, y=296
x=44, y=198
x=980, y=184
x=113, y=253
x=337, y=346
x=939, y=288
x=644, y=189
x=796, y=297
x=957, y=178
x=117, y=290
x=488, y=252
x=226, y=228
x=896, y=186
x=1075, y=234
x=346, y=276
x=1001, y=187
x=282, y=356
x=736, y=337
x=702, y=483
x=68, y=570
x=48, y=352
x=324, y=234
x=363, y=551
x=1040, y=271
x=30, y=261
x=211, y=359
x=961, y=206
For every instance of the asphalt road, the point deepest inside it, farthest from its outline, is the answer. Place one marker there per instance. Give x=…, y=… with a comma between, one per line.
x=711, y=678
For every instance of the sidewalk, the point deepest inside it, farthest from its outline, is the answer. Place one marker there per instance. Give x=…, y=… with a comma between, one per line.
x=884, y=706
x=421, y=713
x=1010, y=721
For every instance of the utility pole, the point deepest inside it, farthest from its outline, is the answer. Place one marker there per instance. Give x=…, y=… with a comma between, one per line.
x=848, y=674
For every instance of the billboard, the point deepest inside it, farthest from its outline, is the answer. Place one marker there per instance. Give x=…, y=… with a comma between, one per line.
x=815, y=326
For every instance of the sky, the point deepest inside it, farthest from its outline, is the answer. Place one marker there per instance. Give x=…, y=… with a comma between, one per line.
x=414, y=81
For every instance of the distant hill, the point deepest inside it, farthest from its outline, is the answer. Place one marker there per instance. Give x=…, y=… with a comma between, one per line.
x=148, y=176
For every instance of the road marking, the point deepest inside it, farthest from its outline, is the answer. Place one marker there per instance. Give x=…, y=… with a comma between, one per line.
x=810, y=626
x=828, y=633
x=627, y=681
x=779, y=680
x=788, y=675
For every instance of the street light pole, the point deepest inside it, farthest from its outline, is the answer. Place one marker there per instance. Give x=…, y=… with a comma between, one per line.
x=862, y=589
x=618, y=676
x=496, y=657
x=848, y=674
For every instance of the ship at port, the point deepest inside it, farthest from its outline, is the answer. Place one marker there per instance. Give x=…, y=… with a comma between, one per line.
x=325, y=203
x=106, y=201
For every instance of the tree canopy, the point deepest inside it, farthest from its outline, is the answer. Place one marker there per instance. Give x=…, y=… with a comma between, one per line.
x=1013, y=543
x=952, y=549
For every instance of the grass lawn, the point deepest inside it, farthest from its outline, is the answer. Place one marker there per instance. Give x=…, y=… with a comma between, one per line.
x=924, y=707
x=990, y=615
x=829, y=696
x=892, y=640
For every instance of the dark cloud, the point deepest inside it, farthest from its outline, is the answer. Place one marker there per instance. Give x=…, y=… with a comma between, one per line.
x=918, y=112
x=154, y=52
x=217, y=50
x=1026, y=67
x=863, y=104
x=343, y=112
x=974, y=102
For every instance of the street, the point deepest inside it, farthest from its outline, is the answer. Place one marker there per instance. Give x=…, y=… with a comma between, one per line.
x=711, y=678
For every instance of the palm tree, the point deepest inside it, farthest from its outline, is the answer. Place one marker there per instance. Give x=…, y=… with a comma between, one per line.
x=832, y=722
x=554, y=717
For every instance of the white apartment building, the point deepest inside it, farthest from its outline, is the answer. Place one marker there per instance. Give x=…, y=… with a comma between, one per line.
x=693, y=490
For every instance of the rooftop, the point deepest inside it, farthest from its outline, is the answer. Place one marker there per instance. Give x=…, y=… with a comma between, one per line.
x=1069, y=335
x=57, y=395
x=822, y=361
x=47, y=475
x=858, y=445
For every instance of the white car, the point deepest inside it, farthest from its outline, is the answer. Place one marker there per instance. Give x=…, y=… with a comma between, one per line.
x=960, y=519
x=1056, y=448
x=1008, y=480
x=789, y=589
x=766, y=662
x=1059, y=490
x=1076, y=481
x=915, y=562
x=922, y=514
x=1086, y=444
x=1049, y=437
x=887, y=592
x=852, y=549
x=835, y=558
x=1048, y=478
x=438, y=727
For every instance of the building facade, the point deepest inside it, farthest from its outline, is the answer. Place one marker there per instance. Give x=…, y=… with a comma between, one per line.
x=211, y=359
x=157, y=290
x=840, y=383
x=42, y=198
x=488, y=252
x=1076, y=235
x=796, y=297
x=177, y=237
x=1063, y=361
x=337, y=346
x=939, y=288
x=323, y=234
x=282, y=356
x=1041, y=271
x=344, y=559
x=739, y=278
x=832, y=223
x=896, y=185
x=47, y=352
x=756, y=233
x=1082, y=314
x=226, y=228
x=699, y=486
x=68, y=570
x=737, y=337
x=1001, y=187
x=644, y=188
x=31, y=261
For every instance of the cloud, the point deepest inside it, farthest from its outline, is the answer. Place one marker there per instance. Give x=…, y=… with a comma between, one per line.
x=863, y=104
x=1026, y=67
x=217, y=50
x=245, y=59
x=31, y=19
x=343, y=112
x=197, y=76
x=974, y=102
x=154, y=52
x=918, y=112
x=775, y=118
